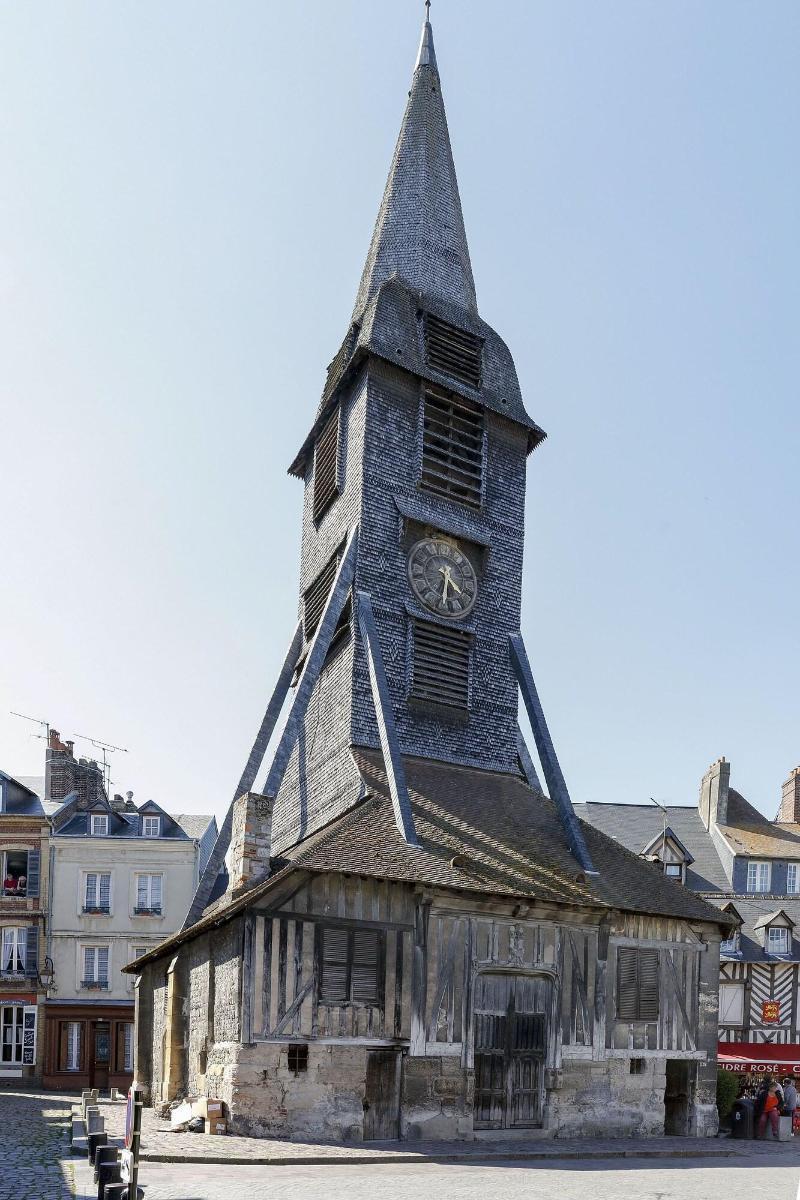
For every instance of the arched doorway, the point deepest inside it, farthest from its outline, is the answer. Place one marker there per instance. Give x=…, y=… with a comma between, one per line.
x=512, y=1014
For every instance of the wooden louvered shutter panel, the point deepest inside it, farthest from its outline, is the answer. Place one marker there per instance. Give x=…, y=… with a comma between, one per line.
x=627, y=989
x=366, y=959
x=32, y=951
x=326, y=465
x=33, y=872
x=441, y=664
x=334, y=966
x=648, y=985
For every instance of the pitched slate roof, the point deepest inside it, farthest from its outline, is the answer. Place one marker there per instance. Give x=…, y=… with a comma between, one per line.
x=635, y=825
x=755, y=912
x=20, y=800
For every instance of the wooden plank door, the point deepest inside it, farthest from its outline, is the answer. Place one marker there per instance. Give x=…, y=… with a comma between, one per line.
x=510, y=1023
x=382, y=1096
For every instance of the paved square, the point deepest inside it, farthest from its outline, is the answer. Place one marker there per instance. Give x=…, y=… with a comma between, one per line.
x=35, y=1131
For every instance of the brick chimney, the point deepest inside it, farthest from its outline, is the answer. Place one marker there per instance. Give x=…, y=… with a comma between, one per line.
x=251, y=837
x=789, y=811
x=714, y=788
x=64, y=774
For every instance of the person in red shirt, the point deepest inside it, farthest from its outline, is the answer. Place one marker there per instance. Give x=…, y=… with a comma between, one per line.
x=771, y=1111
x=9, y=884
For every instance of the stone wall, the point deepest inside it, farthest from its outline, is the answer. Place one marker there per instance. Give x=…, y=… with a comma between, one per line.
x=436, y=1099
x=603, y=1099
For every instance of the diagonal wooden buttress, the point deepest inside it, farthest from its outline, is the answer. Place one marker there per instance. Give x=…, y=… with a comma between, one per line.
x=554, y=778
x=316, y=656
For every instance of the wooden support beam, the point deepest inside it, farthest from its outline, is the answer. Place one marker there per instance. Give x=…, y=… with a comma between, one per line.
x=382, y=701
x=248, y=777
x=320, y=644
x=556, y=784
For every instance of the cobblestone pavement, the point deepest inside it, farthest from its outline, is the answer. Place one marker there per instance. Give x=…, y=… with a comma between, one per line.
x=35, y=1131
x=635, y=1179
x=160, y=1144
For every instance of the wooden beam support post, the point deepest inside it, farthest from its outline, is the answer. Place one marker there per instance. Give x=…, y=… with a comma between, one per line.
x=382, y=701
x=248, y=778
x=556, y=784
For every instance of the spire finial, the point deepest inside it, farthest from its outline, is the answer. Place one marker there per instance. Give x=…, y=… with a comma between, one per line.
x=427, y=54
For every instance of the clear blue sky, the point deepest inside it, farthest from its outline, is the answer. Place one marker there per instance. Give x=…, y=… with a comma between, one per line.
x=187, y=192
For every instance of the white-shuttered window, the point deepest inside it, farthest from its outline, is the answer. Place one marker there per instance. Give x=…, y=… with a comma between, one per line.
x=148, y=894
x=350, y=965
x=95, y=966
x=731, y=1004
x=637, y=984
x=758, y=876
x=97, y=892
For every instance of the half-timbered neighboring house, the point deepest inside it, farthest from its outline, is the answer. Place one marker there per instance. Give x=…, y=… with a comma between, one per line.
x=749, y=867
x=399, y=934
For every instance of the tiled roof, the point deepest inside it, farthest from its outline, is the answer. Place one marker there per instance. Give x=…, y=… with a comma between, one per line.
x=479, y=831
x=749, y=832
x=635, y=825
x=193, y=824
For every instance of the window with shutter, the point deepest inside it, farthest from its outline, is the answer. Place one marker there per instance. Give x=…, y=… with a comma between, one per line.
x=452, y=448
x=316, y=596
x=441, y=664
x=350, y=965
x=453, y=351
x=326, y=466
x=97, y=896
x=637, y=984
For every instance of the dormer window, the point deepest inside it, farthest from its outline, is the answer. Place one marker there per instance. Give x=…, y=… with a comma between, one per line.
x=777, y=940
x=730, y=945
x=99, y=824
x=151, y=827
x=758, y=876
x=674, y=870
x=667, y=852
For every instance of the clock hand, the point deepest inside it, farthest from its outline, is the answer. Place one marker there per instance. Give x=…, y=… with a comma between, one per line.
x=452, y=581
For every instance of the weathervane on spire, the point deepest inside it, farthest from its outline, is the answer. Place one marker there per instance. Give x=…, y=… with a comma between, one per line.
x=428, y=13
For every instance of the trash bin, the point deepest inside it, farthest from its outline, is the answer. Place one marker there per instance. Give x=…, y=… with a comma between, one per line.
x=743, y=1119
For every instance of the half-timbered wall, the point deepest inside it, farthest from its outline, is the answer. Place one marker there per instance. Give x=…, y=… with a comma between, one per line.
x=762, y=983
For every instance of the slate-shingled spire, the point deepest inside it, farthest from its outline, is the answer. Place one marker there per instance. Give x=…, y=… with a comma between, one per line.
x=419, y=234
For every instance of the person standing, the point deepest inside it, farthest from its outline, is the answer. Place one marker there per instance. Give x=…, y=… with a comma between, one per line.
x=789, y=1098
x=770, y=1111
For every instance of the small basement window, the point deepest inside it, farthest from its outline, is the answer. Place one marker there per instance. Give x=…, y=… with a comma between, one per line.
x=637, y=1066
x=441, y=664
x=326, y=466
x=453, y=351
x=452, y=448
x=297, y=1058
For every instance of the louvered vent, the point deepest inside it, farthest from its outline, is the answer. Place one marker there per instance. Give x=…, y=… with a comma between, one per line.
x=637, y=984
x=326, y=465
x=452, y=448
x=453, y=351
x=441, y=664
x=334, y=968
x=350, y=966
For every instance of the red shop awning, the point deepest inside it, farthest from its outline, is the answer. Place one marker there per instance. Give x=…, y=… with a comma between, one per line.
x=759, y=1058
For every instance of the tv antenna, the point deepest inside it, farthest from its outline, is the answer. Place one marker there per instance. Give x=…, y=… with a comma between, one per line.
x=36, y=721
x=663, y=850
x=105, y=749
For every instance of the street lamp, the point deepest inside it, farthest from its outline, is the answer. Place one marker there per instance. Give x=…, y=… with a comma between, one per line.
x=46, y=973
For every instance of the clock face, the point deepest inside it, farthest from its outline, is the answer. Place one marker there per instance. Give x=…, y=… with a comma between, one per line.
x=442, y=577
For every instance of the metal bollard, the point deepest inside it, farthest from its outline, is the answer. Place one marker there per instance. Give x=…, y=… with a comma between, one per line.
x=103, y=1155
x=109, y=1173
x=95, y=1140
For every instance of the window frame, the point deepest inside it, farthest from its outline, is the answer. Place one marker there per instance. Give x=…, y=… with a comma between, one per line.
x=151, y=817
x=98, y=817
x=150, y=909
x=674, y=870
x=794, y=869
x=94, y=982
x=17, y=1041
x=347, y=998
x=97, y=910
x=16, y=894
x=759, y=866
x=785, y=940
x=19, y=953
x=639, y=956
x=730, y=987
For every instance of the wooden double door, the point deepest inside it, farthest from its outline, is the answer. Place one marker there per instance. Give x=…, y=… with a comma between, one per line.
x=511, y=1021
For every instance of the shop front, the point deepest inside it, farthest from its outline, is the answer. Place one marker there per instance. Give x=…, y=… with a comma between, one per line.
x=89, y=1046
x=18, y=1022
x=753, y=1062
